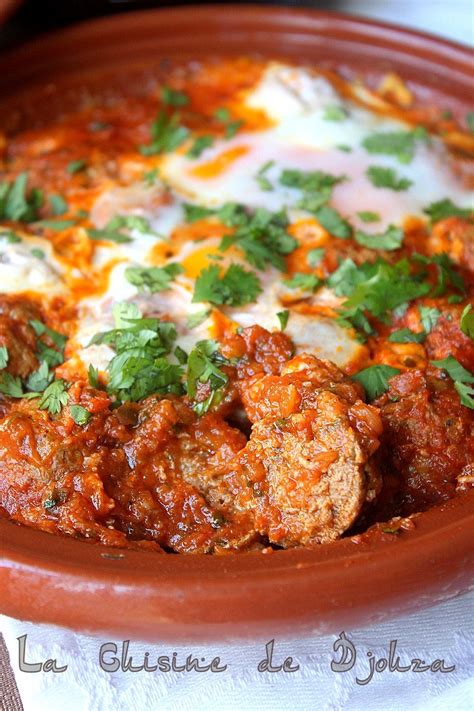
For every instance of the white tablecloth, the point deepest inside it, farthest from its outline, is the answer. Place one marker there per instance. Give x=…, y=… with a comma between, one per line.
x=443, y=632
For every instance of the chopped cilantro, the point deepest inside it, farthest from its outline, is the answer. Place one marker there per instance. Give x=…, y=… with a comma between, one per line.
x=315, y=256
x=153, y=279
x=446, y=273
x=150, y=176
x=38, y=253
x=75, y=166
x=262, y=236
x=203, y=367
x=197, y=318
x=470, y=121
x=467, y=321
x=10, y=236
x=375, y=379
x=224, y=116
x=332, y=221
x=16, y=204
x=139, y=366
x=199, y=145
x=54, y=398
x=56, y=225
x=10, y=385
x=344, y=148
x=236, y=287
x=181, y=355
x=166, y=135
x=39, y=380
x=389, y=240
x=466, y=394
x=374, y=287
x=58, y=205
x=396, y=143
x=283, y=317
x=334, y=112
x=193, y=213
x=172, y=97
x=3, y=357
x=262, y=179
x=405, y=335
x=387, y=178
x=454, y=369
x=80, y=415
x=305, y=282
x=93, y=376
x=116, y=230
x=367, y=216
x=429, y=317
x=446, y=208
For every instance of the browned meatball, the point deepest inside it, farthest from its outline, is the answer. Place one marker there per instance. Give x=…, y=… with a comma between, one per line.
x=17, y=335
x=427, y=442
x=304, y=475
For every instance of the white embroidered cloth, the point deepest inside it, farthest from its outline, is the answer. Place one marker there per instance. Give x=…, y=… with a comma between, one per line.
x=443, y=632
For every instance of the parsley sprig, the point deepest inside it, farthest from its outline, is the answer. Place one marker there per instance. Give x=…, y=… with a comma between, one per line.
x=140, y=366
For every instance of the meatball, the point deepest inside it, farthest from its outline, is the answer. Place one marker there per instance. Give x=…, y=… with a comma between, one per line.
x=17, y=335
x=296, y=389
x=427, y=441
x=306, y=472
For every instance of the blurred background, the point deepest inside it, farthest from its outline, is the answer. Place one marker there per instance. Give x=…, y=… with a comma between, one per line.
x=453, y=19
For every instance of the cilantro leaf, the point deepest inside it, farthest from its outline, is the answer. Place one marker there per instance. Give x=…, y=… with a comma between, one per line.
x=149, y=177
x=446, y=208
x=309, y=181
x=10, y=385
x=334, y=112
x=262, y=179
x=454, y=369
x=139, y=367
x=39, y=380
x=466, y=394
x=153, y=279
x=172, y=97
x=429, y=317
x=315, y=256
x=80, y=415
x=332, y=221
x=283, y=317
x=16, y=204
x=389, y=240
x=58, y=205
x=470, y=121
x=396, y=143
x=446, y=273
x=203, y=362
x=54, y=397
x=387, y=178
x=10, y=236
x=405, y=335
x=262, y=236
x=200, y=144
x=374, y=287
x=116, y=230
x=193, y=213
x=236, y=287
x=166, y=135
x=305, y=282
x=375, y=379
x=75, y=166
x=197, y=318
x=467, y=321
x=3, y=357
x=93, y=376
x=367, y=216
x=56, y=225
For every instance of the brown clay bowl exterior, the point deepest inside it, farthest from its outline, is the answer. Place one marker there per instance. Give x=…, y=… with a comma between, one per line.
x=87, y=587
